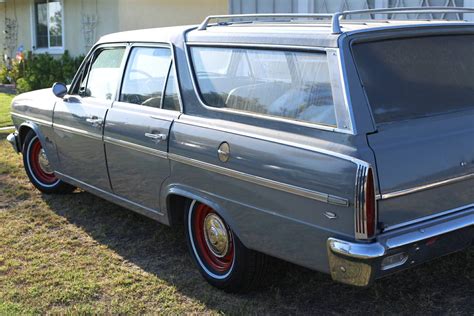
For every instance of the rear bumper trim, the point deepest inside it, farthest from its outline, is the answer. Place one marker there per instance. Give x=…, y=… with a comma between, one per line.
x=359, y=263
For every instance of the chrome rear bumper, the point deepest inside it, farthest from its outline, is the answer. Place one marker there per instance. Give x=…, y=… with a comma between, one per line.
x=360, y=264
x=13, y=140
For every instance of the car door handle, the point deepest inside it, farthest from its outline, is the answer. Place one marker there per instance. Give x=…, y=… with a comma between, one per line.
x=95, y=121
x=156, y=137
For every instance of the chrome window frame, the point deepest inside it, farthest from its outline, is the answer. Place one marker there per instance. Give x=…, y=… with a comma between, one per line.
x=172, y=66
x=87, y=63
x=344, y=117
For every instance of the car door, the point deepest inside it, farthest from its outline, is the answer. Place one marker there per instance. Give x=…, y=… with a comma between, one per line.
x=79, y=117
x=138, y=124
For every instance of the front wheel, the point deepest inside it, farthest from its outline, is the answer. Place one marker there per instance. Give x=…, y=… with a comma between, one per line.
x=220, y=256
x=38, y=169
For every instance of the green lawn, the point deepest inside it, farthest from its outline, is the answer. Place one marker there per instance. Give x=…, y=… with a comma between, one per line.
x=79, y=254
x=5, y=101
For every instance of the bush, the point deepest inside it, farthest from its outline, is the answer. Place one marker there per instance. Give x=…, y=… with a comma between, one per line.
x=12, y=74
x=22, y=85
x=40, y=71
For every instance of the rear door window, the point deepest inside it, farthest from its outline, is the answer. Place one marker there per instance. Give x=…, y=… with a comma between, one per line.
x=417, y=77
x=145, y=76
x=287, y=84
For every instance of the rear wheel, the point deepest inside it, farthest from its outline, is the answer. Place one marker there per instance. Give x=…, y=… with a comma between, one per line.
x=38, y=169
x=219, y=254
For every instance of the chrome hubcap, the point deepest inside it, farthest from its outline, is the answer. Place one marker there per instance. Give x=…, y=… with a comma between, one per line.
x=216, y=235
x=44, y=162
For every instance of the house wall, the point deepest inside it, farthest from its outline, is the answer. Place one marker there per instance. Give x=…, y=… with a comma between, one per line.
x=106, y=12
x=111, y=16
x=136, y=14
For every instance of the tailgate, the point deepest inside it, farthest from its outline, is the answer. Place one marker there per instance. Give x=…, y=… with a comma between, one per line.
x=421, y=93
x=424, y=167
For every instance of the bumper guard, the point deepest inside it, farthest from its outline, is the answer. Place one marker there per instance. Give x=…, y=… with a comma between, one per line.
x=13, y=140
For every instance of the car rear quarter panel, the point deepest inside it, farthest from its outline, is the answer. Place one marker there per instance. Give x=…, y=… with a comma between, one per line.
x=266, y=218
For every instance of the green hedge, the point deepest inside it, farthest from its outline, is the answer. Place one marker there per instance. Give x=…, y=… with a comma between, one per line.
x=40, y=71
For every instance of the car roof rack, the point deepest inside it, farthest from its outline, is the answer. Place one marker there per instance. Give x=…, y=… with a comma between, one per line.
x=335, y=18
x=249, y=18
x=338, y=16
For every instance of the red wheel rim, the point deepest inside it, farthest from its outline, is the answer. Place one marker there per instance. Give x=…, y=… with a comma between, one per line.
x=217, y=264
x=40, y=174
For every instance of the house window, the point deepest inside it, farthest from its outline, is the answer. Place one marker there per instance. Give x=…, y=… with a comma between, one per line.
x=48, y=24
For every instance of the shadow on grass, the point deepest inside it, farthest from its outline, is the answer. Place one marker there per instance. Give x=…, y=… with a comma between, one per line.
x=445, y=285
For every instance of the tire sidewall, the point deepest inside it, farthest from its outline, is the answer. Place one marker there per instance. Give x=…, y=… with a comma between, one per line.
x=228, y=279
x=30, y=138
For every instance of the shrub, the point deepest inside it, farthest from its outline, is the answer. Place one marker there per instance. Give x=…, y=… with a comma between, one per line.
x=22, y=85
x=40, y=71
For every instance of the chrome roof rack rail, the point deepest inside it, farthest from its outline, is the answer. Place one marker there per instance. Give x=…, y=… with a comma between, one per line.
x=253, y=17
x=337, y=17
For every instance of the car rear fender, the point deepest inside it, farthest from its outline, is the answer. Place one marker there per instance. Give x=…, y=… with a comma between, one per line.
x=193, y=194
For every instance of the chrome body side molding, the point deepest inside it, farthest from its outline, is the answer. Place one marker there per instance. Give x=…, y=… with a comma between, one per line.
x=318, y=196
x=185, y=120
x=433, y=185
x=32, y=119
x=132, y=146
x=77, y=131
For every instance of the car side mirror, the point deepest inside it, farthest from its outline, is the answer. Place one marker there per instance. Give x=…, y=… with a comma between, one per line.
x=59, y=89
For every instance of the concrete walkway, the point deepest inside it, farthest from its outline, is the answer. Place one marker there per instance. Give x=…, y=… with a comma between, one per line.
x=7, y=88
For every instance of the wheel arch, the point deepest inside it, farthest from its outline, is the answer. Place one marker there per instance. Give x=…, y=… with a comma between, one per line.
x=176, y=197
x=23, y=130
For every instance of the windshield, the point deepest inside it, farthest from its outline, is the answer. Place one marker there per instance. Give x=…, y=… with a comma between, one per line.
x=417, y=77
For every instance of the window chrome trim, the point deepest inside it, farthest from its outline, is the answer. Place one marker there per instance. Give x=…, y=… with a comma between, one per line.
x=197, y=92
x=136, y=147
x=288, y=188
x=77, y=131
x=265, y=46
x=167, y=45
x=425, y=187
x=345, y=89
x=32, y=119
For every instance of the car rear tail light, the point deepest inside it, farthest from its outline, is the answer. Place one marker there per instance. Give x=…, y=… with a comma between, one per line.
x=365, y=204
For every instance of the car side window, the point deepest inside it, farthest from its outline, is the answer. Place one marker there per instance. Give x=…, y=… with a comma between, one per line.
x=171, y=97
x=145, y=76
x=289, y=84
x=103, y=77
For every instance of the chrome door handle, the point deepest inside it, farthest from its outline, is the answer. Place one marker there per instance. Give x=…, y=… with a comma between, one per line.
x=95, y=121
x=156, y=137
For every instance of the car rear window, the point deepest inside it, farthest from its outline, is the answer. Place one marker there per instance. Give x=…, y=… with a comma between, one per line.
x=417, y=77
x=288, y=84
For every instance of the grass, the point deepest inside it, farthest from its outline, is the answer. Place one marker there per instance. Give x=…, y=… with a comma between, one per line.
x=5, y=118
x=80, y=254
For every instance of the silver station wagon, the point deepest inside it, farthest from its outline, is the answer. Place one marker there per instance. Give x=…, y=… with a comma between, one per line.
x=344, y=146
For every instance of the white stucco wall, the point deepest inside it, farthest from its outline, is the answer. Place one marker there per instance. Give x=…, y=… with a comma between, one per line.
x=111, y=16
